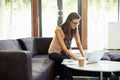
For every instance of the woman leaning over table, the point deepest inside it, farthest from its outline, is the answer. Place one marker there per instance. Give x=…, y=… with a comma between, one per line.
x=60, y=46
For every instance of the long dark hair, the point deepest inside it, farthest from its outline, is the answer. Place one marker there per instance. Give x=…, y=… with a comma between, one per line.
x=69, y=33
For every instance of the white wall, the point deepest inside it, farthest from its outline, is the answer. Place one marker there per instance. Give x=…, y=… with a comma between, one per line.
x=113, y=35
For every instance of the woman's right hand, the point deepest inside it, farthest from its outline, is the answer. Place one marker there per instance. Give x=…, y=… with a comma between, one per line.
x=76, y=58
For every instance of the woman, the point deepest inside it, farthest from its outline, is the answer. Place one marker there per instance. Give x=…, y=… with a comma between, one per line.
x=60, y=46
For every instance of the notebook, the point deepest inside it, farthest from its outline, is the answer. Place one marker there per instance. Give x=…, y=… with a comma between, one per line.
x=95, y=57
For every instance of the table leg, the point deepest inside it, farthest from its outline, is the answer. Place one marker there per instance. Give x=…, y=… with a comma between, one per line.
x=101, y=75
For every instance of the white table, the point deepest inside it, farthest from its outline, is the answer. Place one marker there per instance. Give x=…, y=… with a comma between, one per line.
x=101, y=66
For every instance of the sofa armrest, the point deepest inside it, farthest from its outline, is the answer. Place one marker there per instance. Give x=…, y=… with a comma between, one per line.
x=15, y=65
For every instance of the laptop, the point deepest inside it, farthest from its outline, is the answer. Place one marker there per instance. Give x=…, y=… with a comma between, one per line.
x=95, y=57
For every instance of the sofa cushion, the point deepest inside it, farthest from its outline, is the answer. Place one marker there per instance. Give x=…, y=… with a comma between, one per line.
x=42, y=69
x=114, y=55
x=106, y=56
x=9, y=45
x=28, y=44
x=42, y=44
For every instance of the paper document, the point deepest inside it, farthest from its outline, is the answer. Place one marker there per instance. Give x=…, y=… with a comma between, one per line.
x=70, y=62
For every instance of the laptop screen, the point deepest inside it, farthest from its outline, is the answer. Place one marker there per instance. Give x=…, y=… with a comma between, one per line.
x=95, y=56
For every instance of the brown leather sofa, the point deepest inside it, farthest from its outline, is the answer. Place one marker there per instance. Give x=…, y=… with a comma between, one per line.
x=26, y=59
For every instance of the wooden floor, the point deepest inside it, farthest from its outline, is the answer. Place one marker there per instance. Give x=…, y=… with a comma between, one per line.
x=90, y=78
x=86, y=78
x=83, y=78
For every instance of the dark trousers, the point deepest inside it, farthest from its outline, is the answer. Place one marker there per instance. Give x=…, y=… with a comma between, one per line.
x=63, y=71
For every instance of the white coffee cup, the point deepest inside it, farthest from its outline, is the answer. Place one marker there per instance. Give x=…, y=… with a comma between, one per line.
x=81, y=62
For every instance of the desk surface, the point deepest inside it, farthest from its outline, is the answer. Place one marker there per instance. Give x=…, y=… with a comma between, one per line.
x=104, y=66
